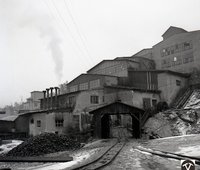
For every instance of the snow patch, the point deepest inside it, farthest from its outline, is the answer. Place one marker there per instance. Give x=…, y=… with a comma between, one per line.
x=5, y=148
x=190, y=150
x=77, y=158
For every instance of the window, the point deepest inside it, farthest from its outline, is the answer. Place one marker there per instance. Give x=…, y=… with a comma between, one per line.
x=187, y=45
x=83, y=86
x=59, y=123
x=73, y=88
x=146, y=103
x=94, y=84
x=94, y=99
x=154, y=103
x=188, y=58
x=166, y=63
x=172, y=49
x=165, y=51
x=176, y=48
x=59, y=119
x=32, y=121
x=38, y=123
x=177, y=60
x=178, y=82
x=72, y=100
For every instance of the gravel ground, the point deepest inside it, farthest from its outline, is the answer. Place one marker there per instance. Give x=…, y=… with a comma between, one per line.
x=130, y=158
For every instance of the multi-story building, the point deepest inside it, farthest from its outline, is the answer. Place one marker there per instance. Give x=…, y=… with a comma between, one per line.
x=178, y=51
x=33, y=102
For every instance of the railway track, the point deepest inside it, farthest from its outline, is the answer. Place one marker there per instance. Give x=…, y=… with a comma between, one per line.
x=109, y=155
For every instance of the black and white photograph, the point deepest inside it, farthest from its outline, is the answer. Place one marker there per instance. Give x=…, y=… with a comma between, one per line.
x=99, y=85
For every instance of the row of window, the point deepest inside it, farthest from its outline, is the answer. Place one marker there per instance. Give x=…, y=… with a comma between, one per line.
x=176, y=48
x=113, y=69
x=94, y=99
x=85, y=86
x=178, y=60
x=58, y=122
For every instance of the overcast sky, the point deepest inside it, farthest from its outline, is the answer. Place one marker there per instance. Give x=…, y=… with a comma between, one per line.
x=44, y=43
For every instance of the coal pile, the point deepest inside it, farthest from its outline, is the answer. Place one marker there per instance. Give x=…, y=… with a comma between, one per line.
x=44, y=144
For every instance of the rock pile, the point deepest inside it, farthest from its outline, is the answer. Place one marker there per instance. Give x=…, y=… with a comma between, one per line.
x=44, y=144
x=174, y=123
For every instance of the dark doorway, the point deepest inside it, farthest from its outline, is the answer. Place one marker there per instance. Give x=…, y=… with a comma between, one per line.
x=105, y=126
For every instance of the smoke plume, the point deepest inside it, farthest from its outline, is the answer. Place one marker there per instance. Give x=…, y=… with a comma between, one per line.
x=31, y=14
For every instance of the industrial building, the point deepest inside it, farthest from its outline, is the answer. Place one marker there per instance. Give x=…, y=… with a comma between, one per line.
x=178, y=51
x=121, y=90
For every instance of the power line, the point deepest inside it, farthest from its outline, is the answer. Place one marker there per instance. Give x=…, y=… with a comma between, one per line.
x=66, y=25
x=57, y=20
x=78, y=30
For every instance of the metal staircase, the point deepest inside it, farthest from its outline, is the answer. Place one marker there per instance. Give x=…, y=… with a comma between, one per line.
x=180, y=101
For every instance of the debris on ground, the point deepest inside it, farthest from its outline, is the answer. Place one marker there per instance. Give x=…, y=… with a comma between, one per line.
x=44, y=144
x=194, y=101
x=173, y=123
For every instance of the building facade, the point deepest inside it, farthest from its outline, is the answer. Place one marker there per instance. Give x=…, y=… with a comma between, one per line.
x=32, y=103
x=178, y=51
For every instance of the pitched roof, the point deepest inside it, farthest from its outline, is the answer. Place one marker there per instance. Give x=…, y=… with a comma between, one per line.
x=172, y=31
x=121, y=59
x=92, y=75
x=116, y=109
x=143, y=50
x=9, y=118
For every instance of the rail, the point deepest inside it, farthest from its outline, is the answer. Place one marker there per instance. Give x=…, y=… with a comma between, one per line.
x=109, y=155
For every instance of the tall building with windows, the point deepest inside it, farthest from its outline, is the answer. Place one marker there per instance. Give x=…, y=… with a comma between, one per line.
x=178, y=51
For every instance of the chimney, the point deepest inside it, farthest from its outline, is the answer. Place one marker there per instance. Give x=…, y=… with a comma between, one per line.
x=51, y=90
x=56, y=96
x=44, y=100
x=47, y=98
x=58, y=91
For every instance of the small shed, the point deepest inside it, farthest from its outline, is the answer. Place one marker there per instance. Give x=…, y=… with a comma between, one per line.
x=101, y=118
x=7, y=124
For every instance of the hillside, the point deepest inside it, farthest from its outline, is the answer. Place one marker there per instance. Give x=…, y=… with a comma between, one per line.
x=176, y=122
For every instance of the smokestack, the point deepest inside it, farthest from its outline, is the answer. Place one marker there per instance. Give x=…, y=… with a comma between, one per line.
x=56, y=96
x=44, y=100
x=51, y=105
x=47, y=98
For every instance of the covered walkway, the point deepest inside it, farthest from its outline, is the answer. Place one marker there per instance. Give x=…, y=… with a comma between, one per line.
x=102, y=118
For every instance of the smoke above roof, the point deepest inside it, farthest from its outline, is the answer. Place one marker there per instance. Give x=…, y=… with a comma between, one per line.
x=12, y=14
